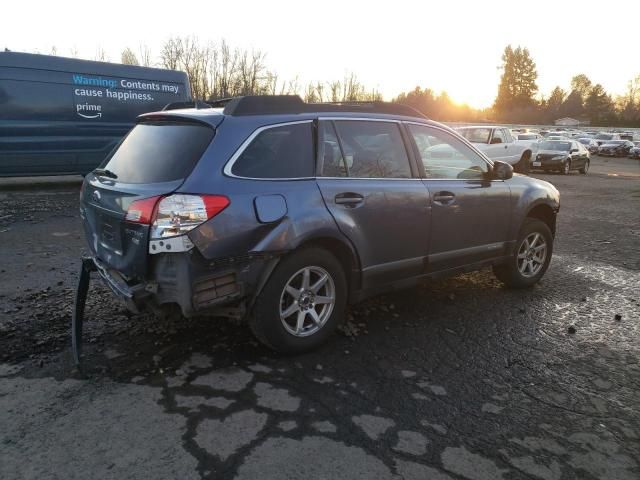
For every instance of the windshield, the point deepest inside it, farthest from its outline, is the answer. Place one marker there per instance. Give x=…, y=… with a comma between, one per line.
x=585, y=141
x=617, y=142
x=604, y=136
x=556, y=146
x=476, y=135
x=159, y=152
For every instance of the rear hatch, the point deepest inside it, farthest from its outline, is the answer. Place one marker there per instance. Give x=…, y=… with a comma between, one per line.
x=117, y=199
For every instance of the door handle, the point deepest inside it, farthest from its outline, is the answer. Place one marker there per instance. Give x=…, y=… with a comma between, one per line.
x=349, y=199
x=444, y=198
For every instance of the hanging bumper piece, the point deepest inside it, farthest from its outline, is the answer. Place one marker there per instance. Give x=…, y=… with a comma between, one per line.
x=77, y=318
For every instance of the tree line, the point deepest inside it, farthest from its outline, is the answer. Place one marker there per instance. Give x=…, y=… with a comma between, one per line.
x=216, y=70
x=518, y=99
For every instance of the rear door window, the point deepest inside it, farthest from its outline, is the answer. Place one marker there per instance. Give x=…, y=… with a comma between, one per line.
x=373, y=149
x=333, y=162
x=284, y=151
x=159, y=152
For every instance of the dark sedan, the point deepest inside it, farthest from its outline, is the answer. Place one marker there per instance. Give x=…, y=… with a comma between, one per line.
x=589, y=143
x=562, y=156
x=615, y=148
x=603, y=137
x=635, y=151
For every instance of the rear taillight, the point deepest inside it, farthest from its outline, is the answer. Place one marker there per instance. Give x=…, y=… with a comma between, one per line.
x=178, y=214
x=141, y=211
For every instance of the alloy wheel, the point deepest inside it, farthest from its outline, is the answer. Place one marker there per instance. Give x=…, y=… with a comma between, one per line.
x=307, y=301
x=532, y=255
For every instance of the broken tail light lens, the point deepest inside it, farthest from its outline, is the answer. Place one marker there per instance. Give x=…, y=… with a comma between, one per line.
x=141, y=211
x=178, y=214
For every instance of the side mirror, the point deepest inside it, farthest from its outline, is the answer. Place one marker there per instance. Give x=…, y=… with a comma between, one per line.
x=496, y=140
x=501, y=170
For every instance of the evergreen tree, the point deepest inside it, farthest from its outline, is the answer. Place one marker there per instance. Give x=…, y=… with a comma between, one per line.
x=581, y=84
x=553, y=105
x=572, y=106
x=599, y=106
x=518, y=82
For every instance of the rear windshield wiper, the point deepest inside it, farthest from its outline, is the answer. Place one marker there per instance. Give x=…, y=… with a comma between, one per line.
x=103, y=172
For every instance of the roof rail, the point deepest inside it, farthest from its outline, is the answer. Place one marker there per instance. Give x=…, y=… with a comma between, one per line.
x=193, y=104
x=220, y=102
x=283, y=104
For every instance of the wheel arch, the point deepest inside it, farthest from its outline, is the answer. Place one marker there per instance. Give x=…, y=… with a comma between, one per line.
x=546, y=214
x=343, y=251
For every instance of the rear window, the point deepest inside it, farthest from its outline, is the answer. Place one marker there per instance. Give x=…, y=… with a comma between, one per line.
x=159, y=152
x=556, y=146
x=286, y=151
x=476, y=135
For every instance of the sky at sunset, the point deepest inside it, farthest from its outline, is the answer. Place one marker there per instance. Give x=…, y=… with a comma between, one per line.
x=392, y=46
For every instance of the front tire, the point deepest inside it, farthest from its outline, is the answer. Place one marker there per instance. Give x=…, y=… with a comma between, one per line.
x=585, y=168
x=531, y=257
x=302, y=303
x=566, y=167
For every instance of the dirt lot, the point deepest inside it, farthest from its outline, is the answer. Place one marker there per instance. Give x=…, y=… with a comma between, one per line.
x=457, y=379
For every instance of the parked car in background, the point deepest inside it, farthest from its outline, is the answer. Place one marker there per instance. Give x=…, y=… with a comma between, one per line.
x=604, y=137
x=528, y=137
x=615, y=148
x=562, y=156
x=284, y=212
x=557, y=137
x=589, y=143
x=634, y=152
x=497, y=143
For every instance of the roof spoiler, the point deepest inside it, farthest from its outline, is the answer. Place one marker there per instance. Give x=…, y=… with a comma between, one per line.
x=197, y=104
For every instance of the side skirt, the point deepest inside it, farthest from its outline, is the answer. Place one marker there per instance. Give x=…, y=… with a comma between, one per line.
x=360, y=295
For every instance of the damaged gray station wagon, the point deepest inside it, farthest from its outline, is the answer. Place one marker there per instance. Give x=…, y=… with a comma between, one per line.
x=283, y=212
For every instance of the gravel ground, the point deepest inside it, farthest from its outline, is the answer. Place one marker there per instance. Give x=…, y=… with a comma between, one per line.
x=456, y=379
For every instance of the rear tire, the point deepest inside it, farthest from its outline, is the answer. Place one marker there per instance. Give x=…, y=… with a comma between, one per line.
x=530, y=258
x=302, y=303
x=585, y=168
x=566, y=167
x=523, y=165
